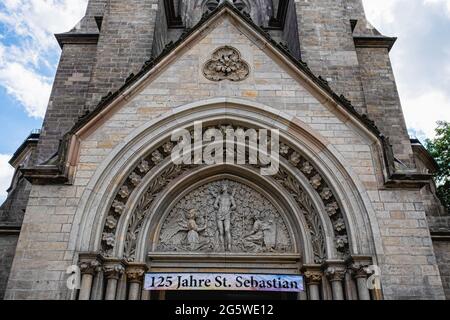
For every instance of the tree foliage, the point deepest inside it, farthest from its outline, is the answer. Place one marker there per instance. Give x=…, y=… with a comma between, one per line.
x=439, y=148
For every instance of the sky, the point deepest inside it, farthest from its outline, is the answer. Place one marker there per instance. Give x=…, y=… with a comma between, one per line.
x=29, y=56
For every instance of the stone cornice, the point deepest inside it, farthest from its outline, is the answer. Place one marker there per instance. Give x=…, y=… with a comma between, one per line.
x=374, y=42
x=76, y=38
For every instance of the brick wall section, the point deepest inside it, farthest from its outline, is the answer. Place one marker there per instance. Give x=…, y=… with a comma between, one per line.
x=8, y=244
x=124, y=45
x=409, y=267
x=327, y=45
x=96, y=7
x=38, y=270
x=13, y=209
x=382, y=99
x=354, y=8
x=68, y=96
x=442, y=250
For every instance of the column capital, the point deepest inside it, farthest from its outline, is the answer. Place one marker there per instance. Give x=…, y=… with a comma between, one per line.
x=313, y=274
x=113, y=268
x=334, y=270
x=135, y=272
x=89, y=262
x=359, y=266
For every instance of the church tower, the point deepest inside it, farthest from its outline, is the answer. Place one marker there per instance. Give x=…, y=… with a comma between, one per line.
x=96, y=187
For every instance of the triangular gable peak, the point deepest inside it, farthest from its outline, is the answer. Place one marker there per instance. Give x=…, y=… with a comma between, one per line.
x=135, y=83
x=316, y=85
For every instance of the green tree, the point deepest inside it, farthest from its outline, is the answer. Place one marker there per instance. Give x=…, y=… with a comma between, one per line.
x=439, y=148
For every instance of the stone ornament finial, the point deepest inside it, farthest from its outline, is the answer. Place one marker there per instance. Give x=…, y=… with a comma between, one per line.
x=226, y=64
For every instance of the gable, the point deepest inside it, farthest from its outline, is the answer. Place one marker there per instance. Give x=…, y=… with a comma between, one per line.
x=316, y=85
x=270, y=81
x=176, y=78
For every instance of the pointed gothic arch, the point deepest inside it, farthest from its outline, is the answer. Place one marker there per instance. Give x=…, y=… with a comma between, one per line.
x=143, y=152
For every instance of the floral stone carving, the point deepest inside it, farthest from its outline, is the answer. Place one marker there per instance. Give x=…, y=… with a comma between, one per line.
x=226, y=64
x=223, y=216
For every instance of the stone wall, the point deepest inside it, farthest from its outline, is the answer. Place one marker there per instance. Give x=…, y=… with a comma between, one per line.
x=409, y=269
x=327, y=45
x=96, y=8
x=68, y=97
x=124, y=45
x=42, y=257
x=13, y=209
x=442, y=250
x=8, y=244
x=383, y=101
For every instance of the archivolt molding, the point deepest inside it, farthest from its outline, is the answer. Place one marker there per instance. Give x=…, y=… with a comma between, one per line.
x=162, y=154
x=115, y=170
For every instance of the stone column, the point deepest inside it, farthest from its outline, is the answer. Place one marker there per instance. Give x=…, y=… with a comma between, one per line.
x=335, y=272
x=359, y=267
x=98, y=284
x=146, y=295
x=351, y=293
x=121, y=292
x=88, y=265
x=113, y=272
x=313, y=277
x=135, y=276
x=327, y=294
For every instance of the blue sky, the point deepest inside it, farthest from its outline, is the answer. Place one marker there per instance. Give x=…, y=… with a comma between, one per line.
x=29, y=56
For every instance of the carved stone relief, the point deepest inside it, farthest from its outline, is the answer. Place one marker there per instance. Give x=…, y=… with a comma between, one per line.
x=223, y=216
x=226, y=64
x=159, y=183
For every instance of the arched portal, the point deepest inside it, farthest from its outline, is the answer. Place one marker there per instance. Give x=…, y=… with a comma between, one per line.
x=323, y=224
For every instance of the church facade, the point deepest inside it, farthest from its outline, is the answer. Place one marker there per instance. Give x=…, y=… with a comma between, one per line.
x=347, y=201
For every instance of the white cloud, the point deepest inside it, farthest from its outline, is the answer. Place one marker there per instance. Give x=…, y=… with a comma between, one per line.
x=445, y=3
x=423, y=111
x=28, y=87
x=32, y=25
x=420, y=58
x=6, y=174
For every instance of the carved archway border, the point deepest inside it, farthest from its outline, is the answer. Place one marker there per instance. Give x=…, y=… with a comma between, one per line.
x=99, y=193
x=157, y=156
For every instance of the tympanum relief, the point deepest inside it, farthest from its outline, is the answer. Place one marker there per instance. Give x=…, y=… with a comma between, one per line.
x=224, y=216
